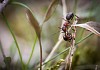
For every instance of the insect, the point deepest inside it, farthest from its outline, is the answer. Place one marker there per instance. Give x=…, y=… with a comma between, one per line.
x=67, y=36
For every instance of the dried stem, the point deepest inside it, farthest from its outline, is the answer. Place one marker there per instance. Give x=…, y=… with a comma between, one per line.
x=64, y=16
x=72, y=49
x=40, y=53
x=60, y=40
x=53, y=50
x=67, y=49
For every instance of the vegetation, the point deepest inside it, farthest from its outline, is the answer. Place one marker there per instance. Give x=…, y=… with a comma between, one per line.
x=73, y=48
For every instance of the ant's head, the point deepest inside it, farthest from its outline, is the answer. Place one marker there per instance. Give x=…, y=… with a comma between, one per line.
x=69, y=16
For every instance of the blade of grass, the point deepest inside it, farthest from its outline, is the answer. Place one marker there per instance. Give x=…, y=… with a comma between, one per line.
x=80, y=32
x=7, y=23
x=57, y=55
x=32, y=52
x=36, y=29
x=84, y=38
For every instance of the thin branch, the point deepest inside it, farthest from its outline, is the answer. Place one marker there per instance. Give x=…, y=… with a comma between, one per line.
x=73, y=48
x=60, y=36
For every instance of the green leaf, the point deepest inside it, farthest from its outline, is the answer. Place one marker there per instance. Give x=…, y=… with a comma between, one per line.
x=51, y=9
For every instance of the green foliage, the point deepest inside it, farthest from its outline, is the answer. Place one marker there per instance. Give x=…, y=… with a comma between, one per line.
x=57, y=65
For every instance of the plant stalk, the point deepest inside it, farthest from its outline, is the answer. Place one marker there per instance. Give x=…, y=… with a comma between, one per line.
x=23, y=5
x=68, y=48
x=40, y=53
x=7, y=23
x=32, y=51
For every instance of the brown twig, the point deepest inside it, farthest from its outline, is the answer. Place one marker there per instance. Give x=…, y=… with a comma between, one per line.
x=72, y=49
x=40, y=54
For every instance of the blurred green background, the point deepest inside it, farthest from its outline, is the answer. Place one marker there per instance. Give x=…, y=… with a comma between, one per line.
x=87, y=52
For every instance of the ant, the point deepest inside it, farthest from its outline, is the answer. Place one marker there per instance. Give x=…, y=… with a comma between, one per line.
x=64, y=28
x=69, y=17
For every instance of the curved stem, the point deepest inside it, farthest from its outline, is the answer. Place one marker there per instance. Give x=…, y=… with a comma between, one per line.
x=32, y=51
x=40, y=54
x=23, y=5
x=7, y=23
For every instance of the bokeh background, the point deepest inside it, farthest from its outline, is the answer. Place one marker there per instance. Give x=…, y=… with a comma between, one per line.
x=87, y=54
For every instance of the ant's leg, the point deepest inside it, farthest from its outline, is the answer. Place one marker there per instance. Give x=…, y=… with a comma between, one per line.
x=61, y=29
x=76, y=16
x=71, y=28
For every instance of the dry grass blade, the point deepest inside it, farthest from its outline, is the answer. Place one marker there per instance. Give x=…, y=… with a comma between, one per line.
x=51, y=9
x=34, y=23
x=94, y=27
